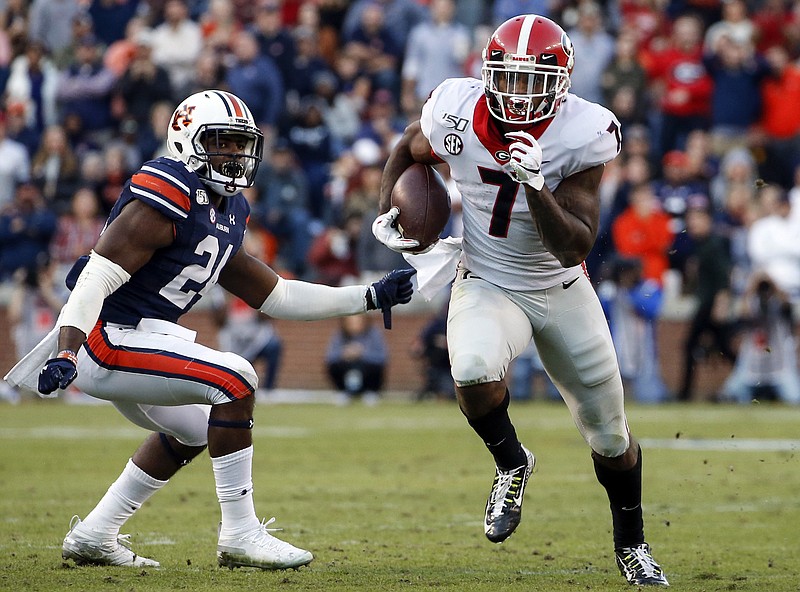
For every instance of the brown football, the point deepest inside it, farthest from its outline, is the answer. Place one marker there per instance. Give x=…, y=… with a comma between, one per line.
x=424, y=204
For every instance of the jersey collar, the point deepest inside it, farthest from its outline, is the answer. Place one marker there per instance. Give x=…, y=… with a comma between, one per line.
x=490, y=134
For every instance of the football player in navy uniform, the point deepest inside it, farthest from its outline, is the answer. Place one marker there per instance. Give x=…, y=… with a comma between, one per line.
x=527, y=157
x=175, y=231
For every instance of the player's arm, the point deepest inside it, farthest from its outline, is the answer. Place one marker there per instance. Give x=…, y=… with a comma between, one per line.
x=568, y=219
x=125, y=246
x=412, y=147
x=259, y=286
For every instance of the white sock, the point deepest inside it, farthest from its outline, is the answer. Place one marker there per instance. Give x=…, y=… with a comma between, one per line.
x=233, y=474
x=125, y=495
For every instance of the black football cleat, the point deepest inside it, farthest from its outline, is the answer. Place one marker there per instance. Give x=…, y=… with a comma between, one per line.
x=638, y=566
x=504, y=507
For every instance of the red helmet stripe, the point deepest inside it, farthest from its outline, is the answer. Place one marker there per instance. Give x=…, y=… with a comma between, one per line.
x=237, y=106
x=525, y=34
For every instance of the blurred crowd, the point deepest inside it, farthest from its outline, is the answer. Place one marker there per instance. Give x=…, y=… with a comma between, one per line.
x=704, y=199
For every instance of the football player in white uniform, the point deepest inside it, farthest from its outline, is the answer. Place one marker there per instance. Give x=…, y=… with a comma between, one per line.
x=527, y=158
x=176, y=230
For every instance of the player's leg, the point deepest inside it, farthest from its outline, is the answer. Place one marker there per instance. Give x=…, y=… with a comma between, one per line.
x=576, y=349
x=130, y=366
x=485, y=332
x=179, y=434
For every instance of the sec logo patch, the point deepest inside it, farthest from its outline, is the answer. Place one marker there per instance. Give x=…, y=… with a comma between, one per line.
x=453, y=144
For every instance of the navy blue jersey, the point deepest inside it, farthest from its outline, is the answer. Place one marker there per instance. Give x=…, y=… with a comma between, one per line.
x=177, y=276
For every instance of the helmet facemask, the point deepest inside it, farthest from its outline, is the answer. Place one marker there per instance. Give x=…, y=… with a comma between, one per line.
x=227, y=158
x=524, y=93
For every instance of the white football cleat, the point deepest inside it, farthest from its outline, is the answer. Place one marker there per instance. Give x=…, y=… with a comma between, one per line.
x=85, y=547
x=258, y=548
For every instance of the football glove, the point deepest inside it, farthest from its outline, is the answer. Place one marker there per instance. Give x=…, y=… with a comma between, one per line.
x=393, y=288
x=526, y=160
x=58, y=372
x=385, y=230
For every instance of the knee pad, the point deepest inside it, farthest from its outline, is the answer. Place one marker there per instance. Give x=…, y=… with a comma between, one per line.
x=469, y=369
x=609, y=445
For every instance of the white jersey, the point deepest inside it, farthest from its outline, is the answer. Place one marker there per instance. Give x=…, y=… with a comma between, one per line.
x=501, y=243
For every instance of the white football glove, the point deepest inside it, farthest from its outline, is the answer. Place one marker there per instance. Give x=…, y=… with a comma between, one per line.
x=385, y=230
x=526, y=160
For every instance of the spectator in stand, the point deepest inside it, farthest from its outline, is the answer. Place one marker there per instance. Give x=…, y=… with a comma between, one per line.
x=274, y=38
x=32, y=84
x=26, y=227
x=632, y=304
x=311, y=141
x=17, y=129
x=703, y=162
x=15, y=166
x=737, y=169
x=119, y=54
x=778, y=132
x=209, y=71
x=382, y=124
x=13, y=29
x=341, y=110
x=624, y=80
x=773, y=244
x=50, y=23
x=177, y=43
x=708, y=271
x=332, y=256
x=735, y=25
x=642, y=232
x=143, y=83
x=766, y=365
x=737, y=72
x=306, y=66
x=116, y=173
x=282, y=206
x=525, y=372
x=77, y=231
x=377, y=47
x=596, y=50
x=152, y=140
x=111, y=17
x=84, y=89
x=430, y=348
x=436, y=50
x=34, y=304
x=252, y=335
x=55, y=169
x=680, y=84
x=356, y=360
x=257, y=81
x=219, y=25
x=769, y=20
x=402, y=14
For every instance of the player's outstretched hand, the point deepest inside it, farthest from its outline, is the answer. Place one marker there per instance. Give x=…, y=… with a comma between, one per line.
x=58, y=373
x=393, y=288
x=526, y=160
x=385, y=230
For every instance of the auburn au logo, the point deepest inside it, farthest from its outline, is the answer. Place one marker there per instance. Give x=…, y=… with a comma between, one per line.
x=182, y=117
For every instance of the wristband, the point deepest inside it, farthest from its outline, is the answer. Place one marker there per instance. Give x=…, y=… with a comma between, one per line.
x=68, y=354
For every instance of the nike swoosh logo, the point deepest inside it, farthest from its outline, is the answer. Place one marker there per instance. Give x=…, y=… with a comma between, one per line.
x=566, y=285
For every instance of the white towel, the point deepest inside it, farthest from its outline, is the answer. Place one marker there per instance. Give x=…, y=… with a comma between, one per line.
x=436, y=268
x=25, y=373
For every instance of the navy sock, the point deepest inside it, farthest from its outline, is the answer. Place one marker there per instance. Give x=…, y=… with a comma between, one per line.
x=498, y=433
x=624, y=490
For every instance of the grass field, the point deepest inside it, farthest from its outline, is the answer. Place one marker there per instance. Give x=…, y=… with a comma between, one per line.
x=391, y=498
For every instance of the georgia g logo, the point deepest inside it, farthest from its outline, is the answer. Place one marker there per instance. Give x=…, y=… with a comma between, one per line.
x=182, y=117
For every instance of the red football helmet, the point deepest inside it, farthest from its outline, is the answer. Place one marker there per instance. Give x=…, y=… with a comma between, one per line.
x=526, y=67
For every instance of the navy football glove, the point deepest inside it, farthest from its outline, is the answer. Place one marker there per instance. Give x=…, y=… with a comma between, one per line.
x=58, y=372
x=393, y=288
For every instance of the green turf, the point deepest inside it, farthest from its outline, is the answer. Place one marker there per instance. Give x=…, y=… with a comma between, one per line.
x=391, y=498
